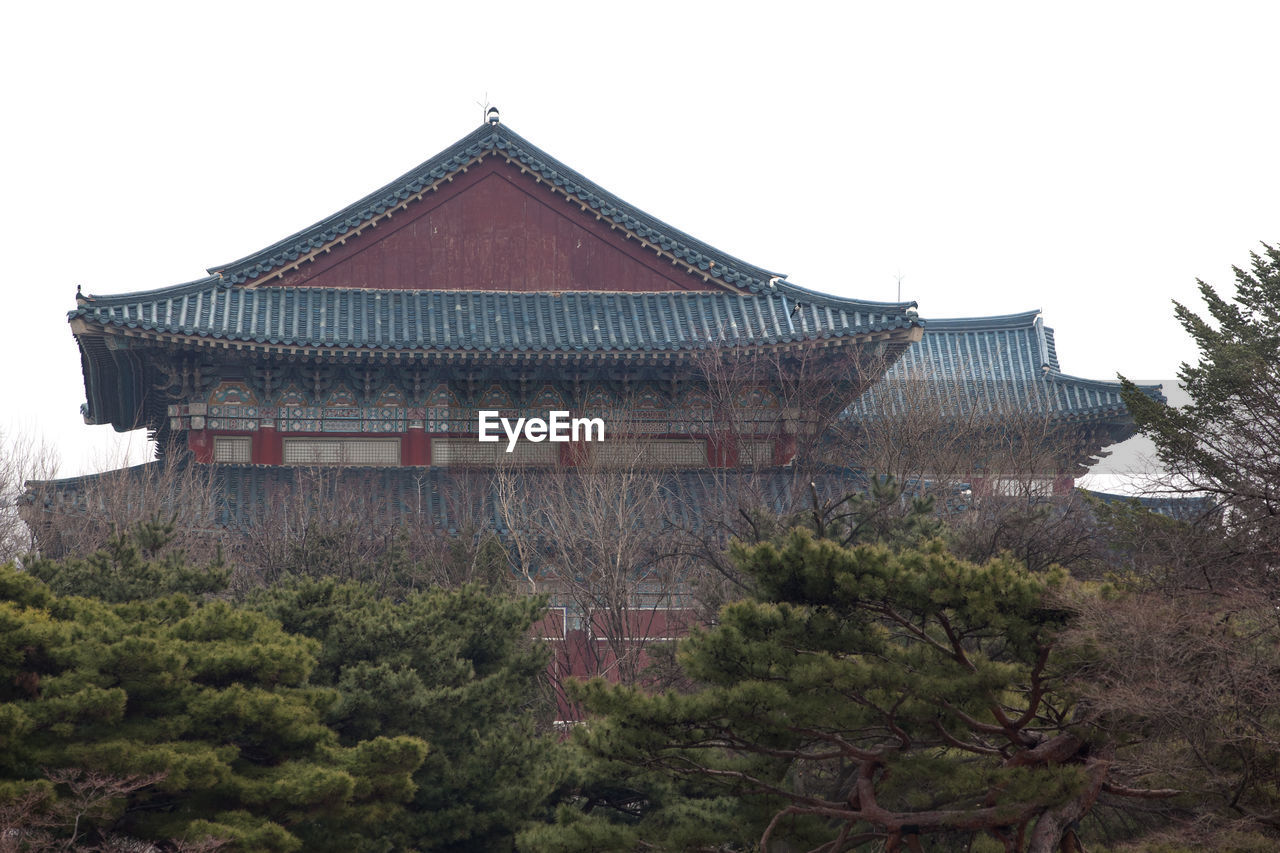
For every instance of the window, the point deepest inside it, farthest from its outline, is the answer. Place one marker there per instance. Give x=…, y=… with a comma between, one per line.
x=233, y=449
x=453, y=452
x=653, y=453
x=342, y=451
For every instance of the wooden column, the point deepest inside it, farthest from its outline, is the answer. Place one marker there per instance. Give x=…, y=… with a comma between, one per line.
x=200, y=443
x=417, y=448
x=268, y=447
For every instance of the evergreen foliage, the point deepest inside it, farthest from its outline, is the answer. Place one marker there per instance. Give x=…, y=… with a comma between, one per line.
x=211, y=701
x=861, y=695
x=457, y=668
x=1224, y=443
x=134, y=565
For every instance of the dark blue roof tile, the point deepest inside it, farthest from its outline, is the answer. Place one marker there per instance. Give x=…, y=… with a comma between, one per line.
x=991, y=365
x=476, y=321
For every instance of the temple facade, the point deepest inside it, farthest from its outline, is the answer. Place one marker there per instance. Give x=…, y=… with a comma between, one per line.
x=490, y=279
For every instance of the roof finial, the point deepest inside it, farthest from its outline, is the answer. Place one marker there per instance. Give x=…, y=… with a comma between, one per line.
x=489, y=111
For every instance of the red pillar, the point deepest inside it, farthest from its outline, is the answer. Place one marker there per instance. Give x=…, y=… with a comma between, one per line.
x=417, y=448
x=200, y=445
x=722, y=450
x=268, y=447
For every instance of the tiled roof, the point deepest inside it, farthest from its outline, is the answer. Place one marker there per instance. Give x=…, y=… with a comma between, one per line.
x=991, y=364
x=499, y=139
x=1179, y=507
x=446, y=499
x=490, y=321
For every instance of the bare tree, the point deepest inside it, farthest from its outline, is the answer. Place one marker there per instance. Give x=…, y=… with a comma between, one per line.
x=1188, y=680
x=78, y=516
x=994, y=457
x=23, y=458
x=591, y=537
x=75, y=810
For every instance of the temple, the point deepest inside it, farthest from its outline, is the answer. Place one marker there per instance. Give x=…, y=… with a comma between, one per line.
x=494, y=278
x=493, y=281
x=490, y=278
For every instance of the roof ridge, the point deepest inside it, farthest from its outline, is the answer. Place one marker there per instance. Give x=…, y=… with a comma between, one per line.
x=996, y=321
x=695, y=253
x=193, y=286
x=337, y=219
x=1155, y=389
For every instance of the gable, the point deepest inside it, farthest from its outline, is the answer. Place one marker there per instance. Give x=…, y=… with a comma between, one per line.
x=494, y=228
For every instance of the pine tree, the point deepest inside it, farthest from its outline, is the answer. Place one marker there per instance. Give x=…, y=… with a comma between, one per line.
x=862, y=696
x=211, y=701
x=457, y=668
x=133, y=565
x=1224, y=443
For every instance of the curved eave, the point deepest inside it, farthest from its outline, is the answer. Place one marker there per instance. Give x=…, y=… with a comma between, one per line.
x=1062, y=398
x=1155, y=392
x=331, y=320
x=902, y=335
x=1020, y=320
x=90, y=301
x=804, y=296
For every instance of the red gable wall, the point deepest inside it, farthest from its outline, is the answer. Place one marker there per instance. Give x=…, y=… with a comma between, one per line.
x=493, y=228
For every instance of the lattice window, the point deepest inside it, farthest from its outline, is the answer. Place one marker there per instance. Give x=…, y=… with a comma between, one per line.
x=755, y=452
x=342, y=451
x=1039, y=487
x=453, y=452
x=233, y=449
x=657, y=453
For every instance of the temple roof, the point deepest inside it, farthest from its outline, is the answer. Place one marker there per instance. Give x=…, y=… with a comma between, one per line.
x=500, y=139
x=704, y=261
x=988, y=365
x=593, y=276
x=475, y=321
x=446, y=499
x=1190, y=508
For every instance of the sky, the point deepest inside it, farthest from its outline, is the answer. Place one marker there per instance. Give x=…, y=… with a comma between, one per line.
x=1089, y=159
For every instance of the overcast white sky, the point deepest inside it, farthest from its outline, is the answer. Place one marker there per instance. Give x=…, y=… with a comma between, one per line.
x=1088, y=159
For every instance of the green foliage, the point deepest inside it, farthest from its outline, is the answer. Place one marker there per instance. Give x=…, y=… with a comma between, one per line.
x=1223, y=444
x=857, y=683
x=213, y=701
x=456, y=668
x=135, y=564
x=885, y=514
